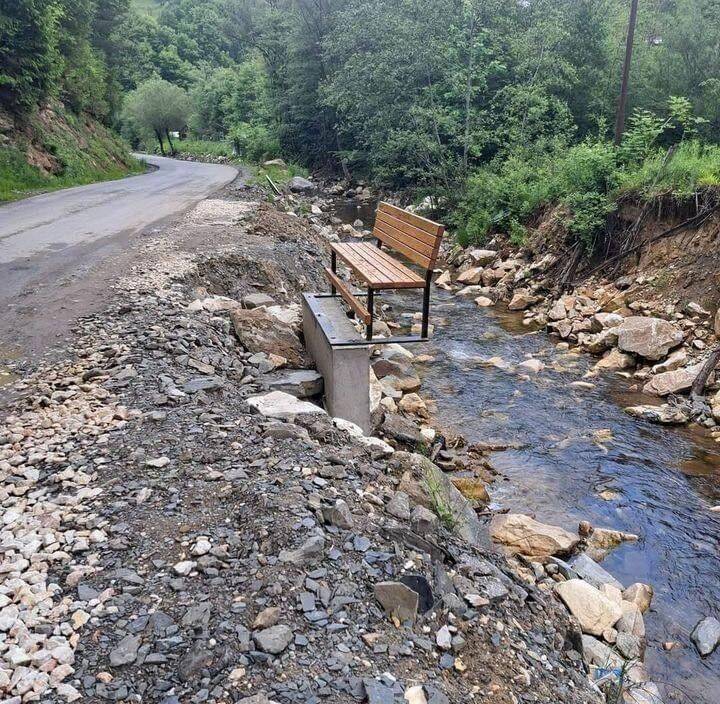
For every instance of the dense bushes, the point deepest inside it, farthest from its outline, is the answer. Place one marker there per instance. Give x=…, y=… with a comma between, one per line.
x=587, y=179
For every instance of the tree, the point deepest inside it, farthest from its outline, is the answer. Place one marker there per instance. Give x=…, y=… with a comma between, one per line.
x=157, y=107
x=28, y=52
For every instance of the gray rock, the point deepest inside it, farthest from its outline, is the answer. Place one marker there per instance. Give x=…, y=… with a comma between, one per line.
x=706, y=635
x=257, y=699
x=256, y=300
x=302, y=383
x=338, y=515
x=586, y=568
x=378, y=693
x=298, y=184
x=309, y=553
x=629, y=646
x=595, y=652
x=194, y=661
x=397, y=600
x=423, y=521
x=203, y=383
x=491, y=588
x=401, y=429
x=399, y=506
x=125, y=652
x=464, y=521
x=273, y=640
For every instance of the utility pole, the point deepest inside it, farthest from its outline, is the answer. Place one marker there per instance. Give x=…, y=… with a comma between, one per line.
x=622, y=102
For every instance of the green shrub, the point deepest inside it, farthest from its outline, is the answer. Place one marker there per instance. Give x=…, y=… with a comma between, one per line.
x=588, y=178
x=255, y=142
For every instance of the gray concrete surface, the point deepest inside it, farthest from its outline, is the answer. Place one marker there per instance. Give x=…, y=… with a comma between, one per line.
x=345, y=370
x=59, y=251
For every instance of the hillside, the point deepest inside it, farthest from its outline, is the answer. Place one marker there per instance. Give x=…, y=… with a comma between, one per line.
x=55, y=149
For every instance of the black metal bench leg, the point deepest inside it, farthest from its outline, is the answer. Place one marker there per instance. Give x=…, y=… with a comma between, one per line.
x=333, y=267
x=370, y=302
x=426, y=305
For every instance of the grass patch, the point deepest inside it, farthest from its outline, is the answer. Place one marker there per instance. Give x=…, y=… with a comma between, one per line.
x=279, y=174
x=204, y=148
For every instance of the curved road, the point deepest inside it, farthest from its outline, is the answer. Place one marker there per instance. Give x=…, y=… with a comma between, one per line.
x=53, y=246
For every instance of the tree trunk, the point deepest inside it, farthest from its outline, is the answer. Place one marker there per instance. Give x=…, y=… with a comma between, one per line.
x=158, y=134
x=172, y=146
x=468, y=90
x=701, y=379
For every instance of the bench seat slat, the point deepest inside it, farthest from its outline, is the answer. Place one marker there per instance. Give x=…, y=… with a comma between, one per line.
x=368, y=273
x=390, y=266
x=377, y=268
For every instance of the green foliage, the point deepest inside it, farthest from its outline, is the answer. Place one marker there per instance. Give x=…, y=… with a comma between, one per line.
x=29, y=52
x=588, y=178
x=157, y=108
x=254, y=142
x=692, y=167
x=204, y=147
x=279, y=174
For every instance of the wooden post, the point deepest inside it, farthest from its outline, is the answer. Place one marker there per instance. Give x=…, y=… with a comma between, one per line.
x=701, y=379
x=622, y=101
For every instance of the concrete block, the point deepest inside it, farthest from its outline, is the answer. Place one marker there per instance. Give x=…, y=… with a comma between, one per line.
x=345, y=370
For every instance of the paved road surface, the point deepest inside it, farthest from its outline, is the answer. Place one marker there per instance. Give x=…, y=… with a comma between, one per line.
x=55, y=248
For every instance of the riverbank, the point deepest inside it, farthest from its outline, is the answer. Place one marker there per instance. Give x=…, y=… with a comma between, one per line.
x=163, y=540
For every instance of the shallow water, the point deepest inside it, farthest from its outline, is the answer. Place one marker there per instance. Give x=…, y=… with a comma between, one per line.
x=577, y=443
x=666, y=479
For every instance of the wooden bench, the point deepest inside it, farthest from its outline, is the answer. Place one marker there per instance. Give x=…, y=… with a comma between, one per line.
x=412, y=236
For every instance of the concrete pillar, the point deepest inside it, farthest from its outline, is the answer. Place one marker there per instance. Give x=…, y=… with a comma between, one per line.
x=345, y=370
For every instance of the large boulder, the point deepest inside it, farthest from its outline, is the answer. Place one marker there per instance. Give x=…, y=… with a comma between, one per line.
x=672, y=382
x=663, y=415
x=706, y=635
x=522, y=299
x=482, y=257
x=259, y=331
x=427, y=484
x=651, y=338
x=302, y=383
x=524, y=535
x=594, y=611
x=298, y=184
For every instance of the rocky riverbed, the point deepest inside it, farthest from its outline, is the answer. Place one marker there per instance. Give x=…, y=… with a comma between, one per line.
x=168, y=537
x=184, y=523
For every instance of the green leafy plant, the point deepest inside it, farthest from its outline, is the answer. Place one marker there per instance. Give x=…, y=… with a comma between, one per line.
x=442, y=508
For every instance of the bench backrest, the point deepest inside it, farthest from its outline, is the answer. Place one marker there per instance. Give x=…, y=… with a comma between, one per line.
x=416, y=237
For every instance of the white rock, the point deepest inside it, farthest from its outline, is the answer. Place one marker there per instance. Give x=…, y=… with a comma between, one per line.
x=593, y=610
x=278, y=404
x=184, y=568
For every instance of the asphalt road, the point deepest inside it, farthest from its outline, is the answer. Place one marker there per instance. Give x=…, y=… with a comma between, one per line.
x=57, y=249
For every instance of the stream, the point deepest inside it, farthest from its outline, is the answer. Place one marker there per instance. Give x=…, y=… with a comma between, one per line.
x=659, y=482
